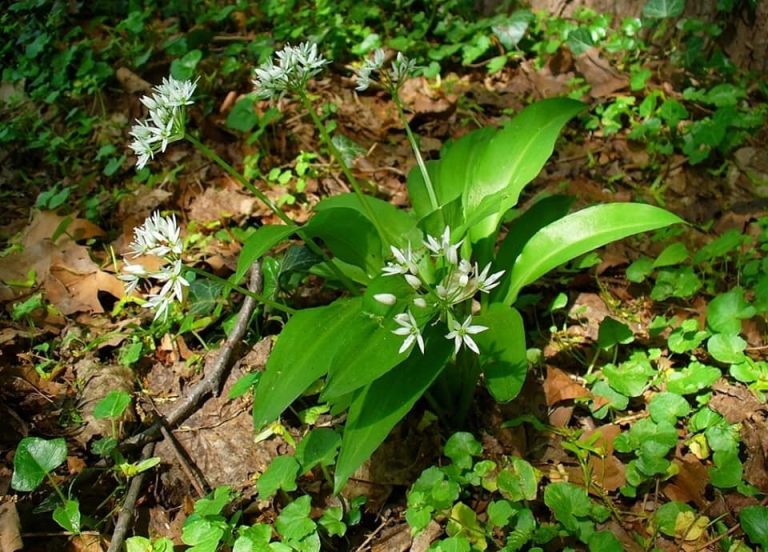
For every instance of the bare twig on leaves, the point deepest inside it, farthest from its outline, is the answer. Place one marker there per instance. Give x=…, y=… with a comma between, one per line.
x=210, y=384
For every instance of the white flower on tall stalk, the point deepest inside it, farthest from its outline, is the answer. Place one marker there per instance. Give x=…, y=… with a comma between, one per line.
x=166, y=121
x=462, y=333
x=400, y=69
x=405, y=262
x=369, y=66
x=159, y=236
x=410, y=329
x=295, y=66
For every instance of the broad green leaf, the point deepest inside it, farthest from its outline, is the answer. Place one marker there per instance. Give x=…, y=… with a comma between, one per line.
x=579, y=41
x=662, y=9
x=302, y=354
x=511, y=30
x=612, y=332
x=579, y=233
x=521, y=229
x=604, y=541
x=417, y=190
x=349, y=235
x=243, y=116
x=512, y=158
x=461, y=447
x=615, y=400
x=112, y=406
x=214, y=503
x=36, y=457
x=668, y=407
x=692, y=379
x=319, y=446
x=673, y=254
x=184, y=67
x=503, y=357
x=281, y=474
x=754, y=522
x=463, y=523
x=377, y=408
x=726, y=311
x=457, y=160
x=686, y=337
x=294, y=522
x=366, y=351
x=400, y=224
x=727, y=348
x=257, y=244
x=253, y=539
x=500, y=512
x=68, y=516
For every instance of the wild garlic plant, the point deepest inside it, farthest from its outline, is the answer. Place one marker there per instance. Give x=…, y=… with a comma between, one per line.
x=442, y=277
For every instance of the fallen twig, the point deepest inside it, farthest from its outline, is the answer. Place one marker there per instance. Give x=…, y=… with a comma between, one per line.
x=210, y=384
x=129, y=504
x=213, y=379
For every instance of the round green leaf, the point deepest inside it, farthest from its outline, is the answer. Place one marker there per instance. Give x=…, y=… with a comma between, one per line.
x=728, y=348
x=754, y=522
x=36, y=457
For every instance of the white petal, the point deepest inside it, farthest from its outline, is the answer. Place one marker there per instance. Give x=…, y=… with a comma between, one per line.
x=471, y=344
x=385, y=298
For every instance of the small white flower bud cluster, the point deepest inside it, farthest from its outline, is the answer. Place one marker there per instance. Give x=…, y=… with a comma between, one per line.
x=443, y=281
x=393, y=78
x=158, y=236
x=166, y=121
x=295, y=66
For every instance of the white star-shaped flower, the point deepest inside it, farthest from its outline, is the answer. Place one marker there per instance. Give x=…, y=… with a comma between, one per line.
x=461, y=333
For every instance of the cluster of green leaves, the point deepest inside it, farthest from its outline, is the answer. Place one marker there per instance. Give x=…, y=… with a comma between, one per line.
x=732, y=256
x=510, y=485
x=350, y=342
x=213, y=525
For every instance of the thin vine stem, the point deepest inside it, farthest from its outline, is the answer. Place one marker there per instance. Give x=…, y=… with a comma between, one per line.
x=231, y=171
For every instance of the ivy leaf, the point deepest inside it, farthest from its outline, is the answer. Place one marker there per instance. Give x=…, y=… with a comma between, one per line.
x=463, y=522
x=281, y=474
x=35, y=458
x=668, y=407
x=500, y=512
x=461, y=447
x=686, y=336
x=754, y=522
x=518, y=481
x=604, y=541
x=675, y=282
x=665, y=518
x=692, y=379
x=726, y=311
x=319, y=446
x=663, y=9
x=727, y=348
x=253, y=539
x=214, y=503
x=673, y=254
x=331, y=521
x=294, y=523
x=727, y=471
x=615, y=400
x=68, y=516
x=202, y=534
x=612, y=332
x=569, y=503
x=112, y=405
x=632, y=377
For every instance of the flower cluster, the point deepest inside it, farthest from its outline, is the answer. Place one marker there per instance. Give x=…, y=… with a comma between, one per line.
x=401, y=69
x=158, y=236
x=166, y=121
x=442, y=281
x=295, y=66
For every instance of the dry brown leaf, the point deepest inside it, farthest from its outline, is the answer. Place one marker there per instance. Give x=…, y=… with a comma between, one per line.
x=10, y=528
x=64, y=268
x=217, y=204
x=600, y=74
x=85, y=543
x=754, y=434
x=558, y=387
x=690, y=484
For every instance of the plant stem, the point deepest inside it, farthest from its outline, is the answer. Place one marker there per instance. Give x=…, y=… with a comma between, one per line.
x=260, y=298
x=57, y=489
x=416, y=152
x=230, y=170
x=385, y=236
